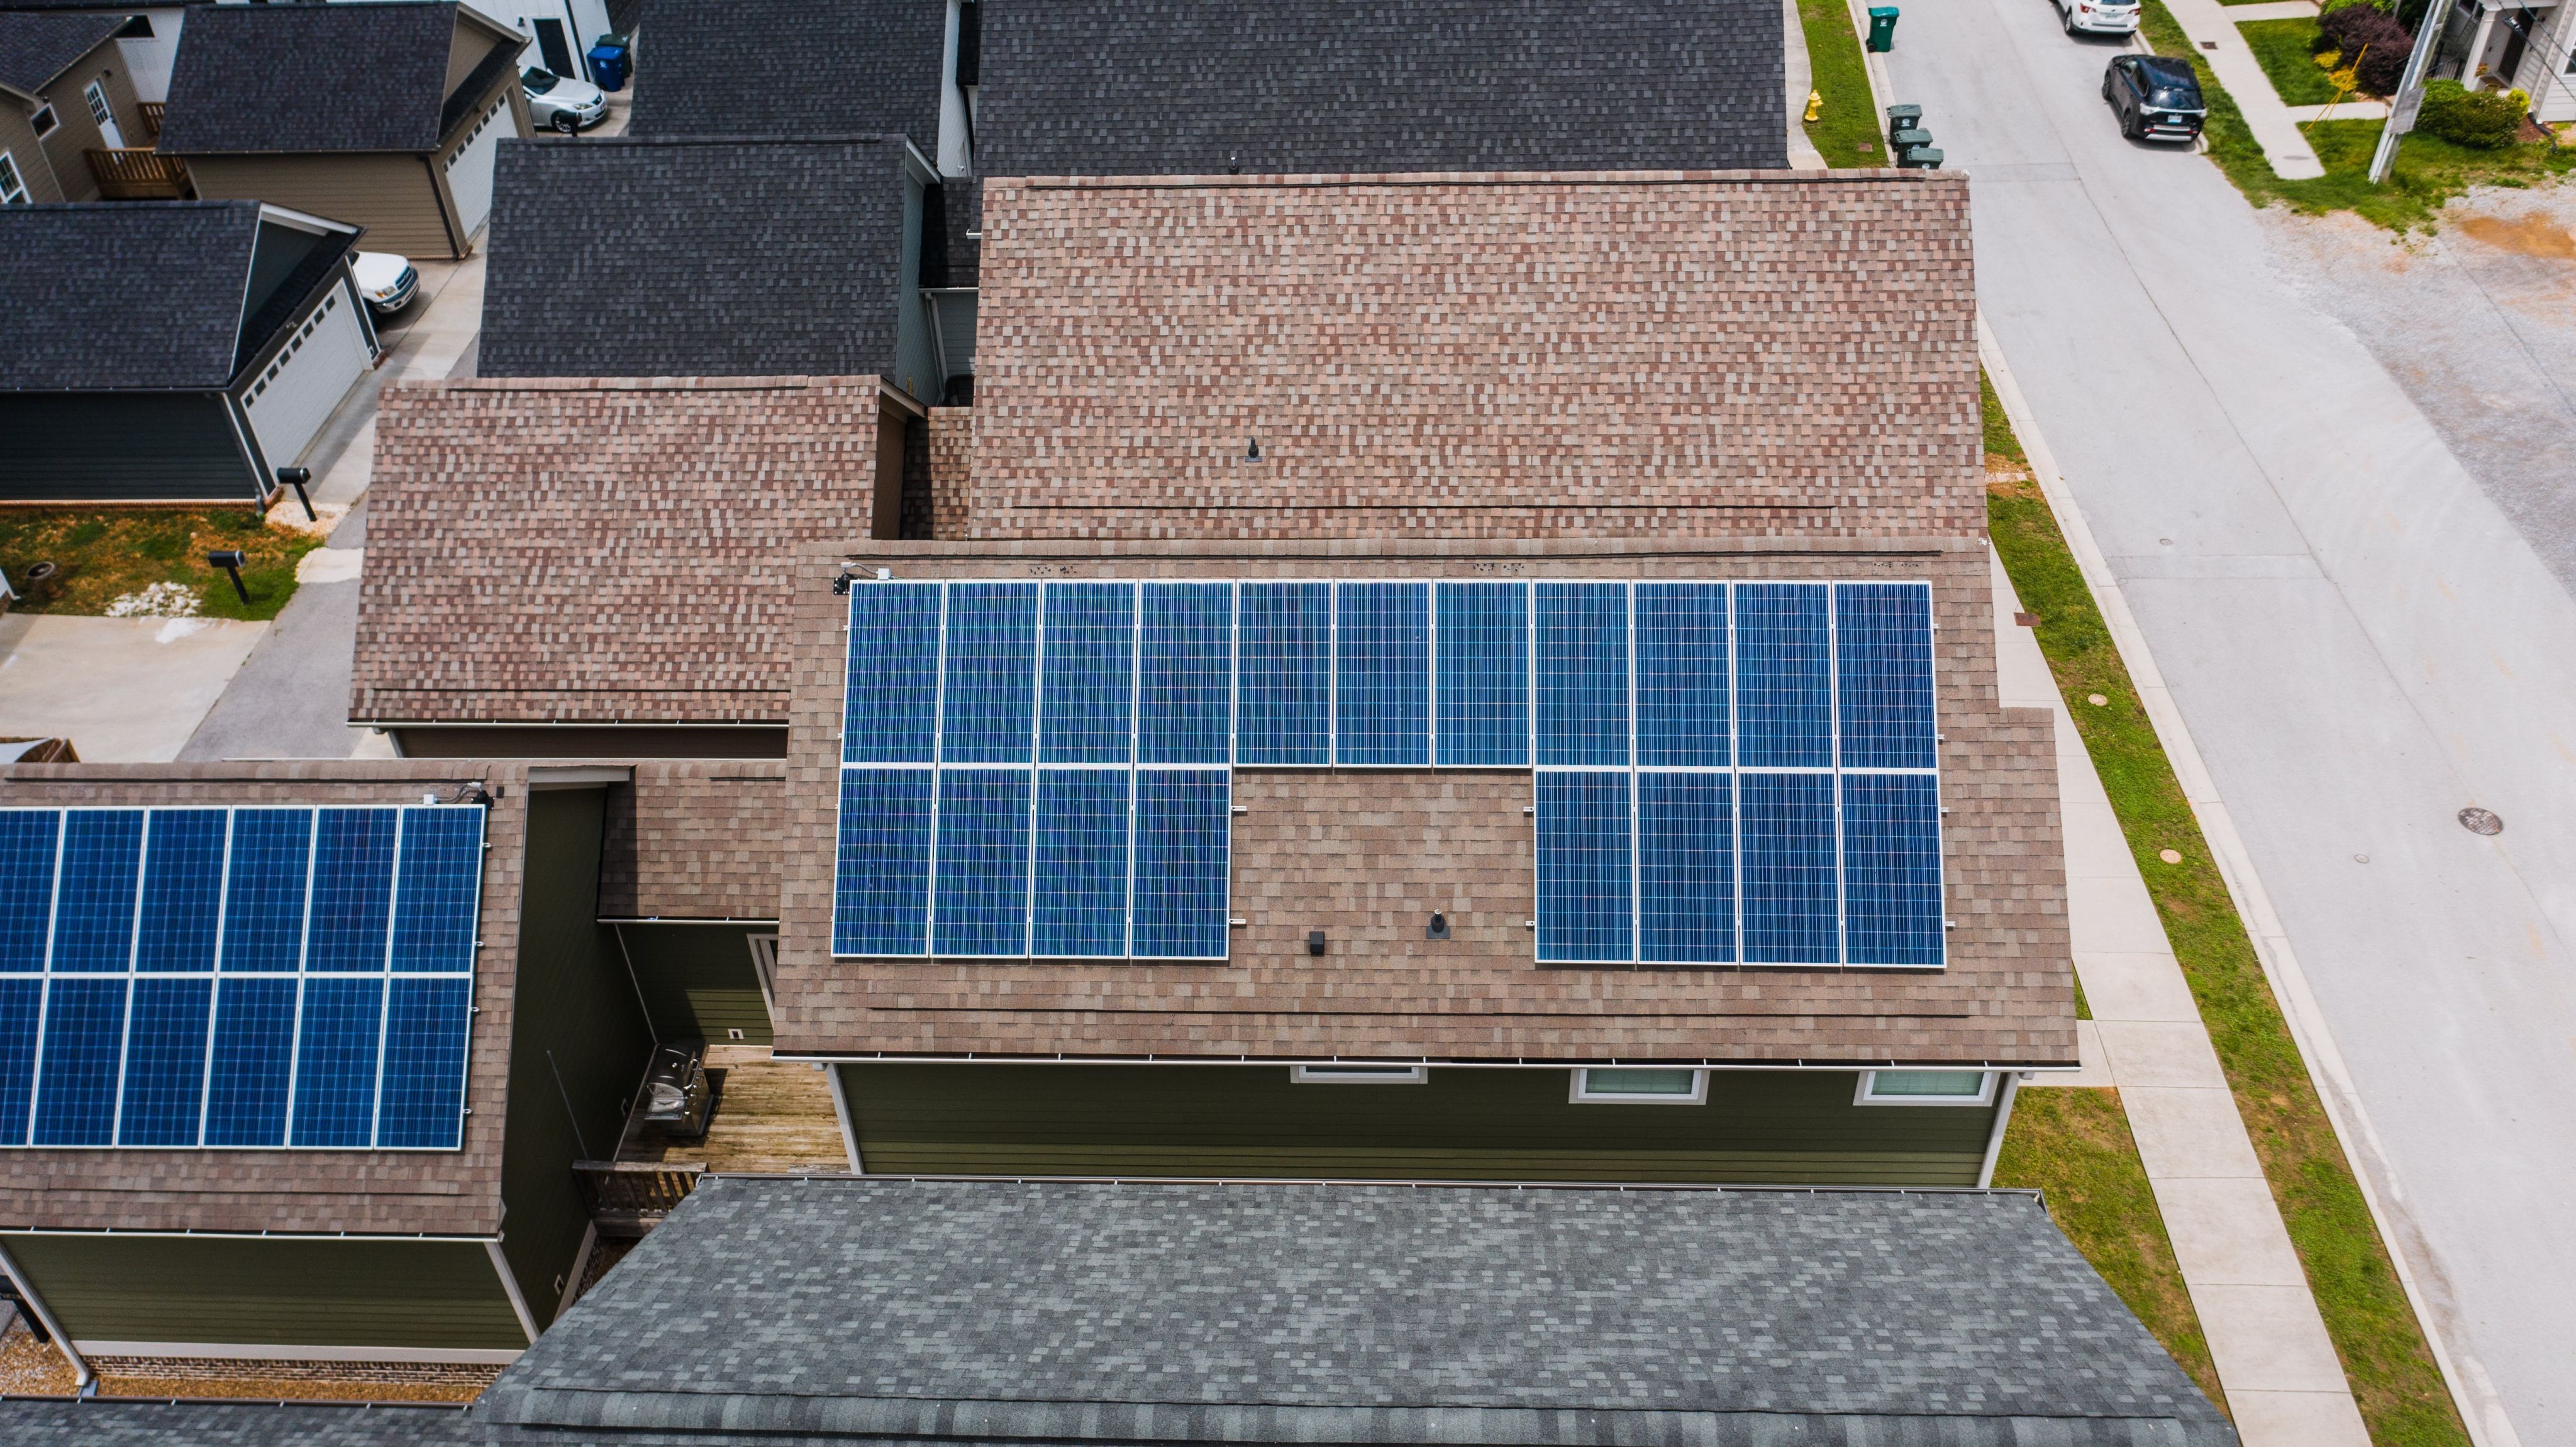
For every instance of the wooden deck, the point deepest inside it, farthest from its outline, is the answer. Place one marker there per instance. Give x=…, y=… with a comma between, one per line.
x=771, y=1116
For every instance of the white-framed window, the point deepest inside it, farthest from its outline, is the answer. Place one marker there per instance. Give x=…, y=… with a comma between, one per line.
x=1926, y=1087
x=1359, y=1074
x=764, y=963
x=44, y=120
x=13, y=192
x=1640, y=1085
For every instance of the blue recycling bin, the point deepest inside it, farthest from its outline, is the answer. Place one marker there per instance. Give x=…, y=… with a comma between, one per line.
x=608, y=66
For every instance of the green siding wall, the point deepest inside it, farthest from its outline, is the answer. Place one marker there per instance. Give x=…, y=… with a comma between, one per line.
x=283, y=1291
x=578, y=1045
x=697, y=979
x=1777, y=1127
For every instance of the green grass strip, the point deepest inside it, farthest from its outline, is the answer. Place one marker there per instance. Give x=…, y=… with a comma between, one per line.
x=2400, y=1391
x=2428, y=174
x=2073, y=1144
x=1846, y=130
x=2287, y=51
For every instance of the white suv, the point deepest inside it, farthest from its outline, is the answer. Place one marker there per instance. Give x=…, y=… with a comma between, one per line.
x=2099, y=17
x=561, y=102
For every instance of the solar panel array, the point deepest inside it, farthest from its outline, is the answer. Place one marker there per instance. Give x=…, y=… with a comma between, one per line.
x=1726, y=772
x=272, y=977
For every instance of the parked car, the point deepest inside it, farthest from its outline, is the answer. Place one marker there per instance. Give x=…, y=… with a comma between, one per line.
x=559, y=101
x=387, y=281
x=2099, y=17
x=2156, y=97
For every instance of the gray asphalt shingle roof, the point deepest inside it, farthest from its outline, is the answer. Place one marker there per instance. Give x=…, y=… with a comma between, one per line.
x=36, y=48
x=108, y=1422
x=123, y=294
x=694, y=258
x=269, y=78
x=1168, y=1312
x=788, y=67
x=1144, y=87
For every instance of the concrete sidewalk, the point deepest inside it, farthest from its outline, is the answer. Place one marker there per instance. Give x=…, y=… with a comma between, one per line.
x=2212, y=27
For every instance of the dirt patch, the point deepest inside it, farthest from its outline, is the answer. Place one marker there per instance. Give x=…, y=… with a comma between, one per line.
x=2528, y=235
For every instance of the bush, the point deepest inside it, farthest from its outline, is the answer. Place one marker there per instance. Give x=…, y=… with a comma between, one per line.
x=2481, y=121
x=2331, y=6
x=2353, y=27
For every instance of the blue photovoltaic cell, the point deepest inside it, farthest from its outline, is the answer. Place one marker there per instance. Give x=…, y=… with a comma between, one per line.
x=892, y=712
x=1087, y=684
x=21, y=1000
x=254, y=1041
x=1783, y=677
x=183, y=888
x=1682, y=667
x=353, y=889
x=1081, y=896
x=424, y=1085
x=335, y=1062
x=29, y=839
x=165, y=1061
x=1185, y=674
x=881, y=895
x=1284, y=674
x=1184, y=823
x=76, y=1070
x=1883, y=674
x=264, y=899
x=989, y=688
x=1892, y=869
x=1483, y=684
x=94, y=909
x=1382, y=680
x=1685, y=868
x=980, y=874
x=1586, y=899
x=1785, y=832
x=438, y=889
x=1582, y=683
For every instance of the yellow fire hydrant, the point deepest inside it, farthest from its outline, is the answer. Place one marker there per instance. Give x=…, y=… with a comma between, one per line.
x=1815, y=104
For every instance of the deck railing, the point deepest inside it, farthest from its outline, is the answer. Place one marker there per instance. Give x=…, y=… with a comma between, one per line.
x=152, y=110
x=628, y=1198
x=139, y=173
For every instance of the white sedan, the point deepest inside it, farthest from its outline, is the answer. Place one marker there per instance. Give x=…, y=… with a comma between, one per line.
x=559, y=101
x=2098, y=17
x=387, y=281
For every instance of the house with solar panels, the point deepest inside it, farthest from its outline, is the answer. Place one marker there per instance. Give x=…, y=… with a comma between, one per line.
x=1540, y=727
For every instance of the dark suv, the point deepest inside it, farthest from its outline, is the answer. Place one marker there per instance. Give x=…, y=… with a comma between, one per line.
x=2156, y=97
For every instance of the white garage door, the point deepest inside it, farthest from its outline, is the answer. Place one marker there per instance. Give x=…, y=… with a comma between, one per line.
x=303, y=384
x=469, y=166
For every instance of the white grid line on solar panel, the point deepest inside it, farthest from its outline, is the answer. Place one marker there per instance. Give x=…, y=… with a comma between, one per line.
x=141, y=1011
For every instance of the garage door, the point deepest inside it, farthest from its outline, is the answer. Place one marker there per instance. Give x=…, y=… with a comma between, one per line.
x=302, y=385
x=469, y=166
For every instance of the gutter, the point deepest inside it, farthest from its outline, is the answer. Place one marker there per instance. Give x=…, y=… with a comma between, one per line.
x=2009, y=1068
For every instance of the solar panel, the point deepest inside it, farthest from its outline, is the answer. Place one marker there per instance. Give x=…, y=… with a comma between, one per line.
x=1482, y=688
x=1783, y=676
x=223, y=1009
x=1786, y=832
x=1382, y=674
x=1683, y=676
x=1185, y=673
x=980, y=863
x=1883, y=675
x=1087, y=674
x=1080, y=907
x=1892, y=869
x=881, y=896
x=1685, y=868
x=1284, y=674
x=1184, y=827
x=988, y=678
x=891, y=711
x=1586, y=869
x=1582, y=674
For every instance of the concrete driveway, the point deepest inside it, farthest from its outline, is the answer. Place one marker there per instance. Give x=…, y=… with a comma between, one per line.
x=2359, y=639
x=123, y=690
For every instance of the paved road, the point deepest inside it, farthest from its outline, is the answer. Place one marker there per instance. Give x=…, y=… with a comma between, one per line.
x=2357, y=637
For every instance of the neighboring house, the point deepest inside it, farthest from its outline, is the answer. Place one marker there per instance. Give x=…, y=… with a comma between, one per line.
x=148, y=39
x=604, y=567
x=171, y=351
x=65, y=93
x=387, y=115
x=562, y=31
x=2506, y=45
x=784, y=68
x=803, y=257
x=1317, y=586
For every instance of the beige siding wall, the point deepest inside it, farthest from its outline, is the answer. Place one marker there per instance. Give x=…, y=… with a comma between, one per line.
x=390, y=195
x=79, y=132
x=35, y=168
x=464, y=52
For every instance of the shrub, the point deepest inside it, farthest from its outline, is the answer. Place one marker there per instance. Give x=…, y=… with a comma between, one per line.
x=2481, y=121
x=2331, y=6
x=2351, y=28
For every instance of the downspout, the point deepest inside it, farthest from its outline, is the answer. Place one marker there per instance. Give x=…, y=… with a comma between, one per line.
x=1995, y=1137
x=510, y=1284
x=841, y=1108
x=27, y=1293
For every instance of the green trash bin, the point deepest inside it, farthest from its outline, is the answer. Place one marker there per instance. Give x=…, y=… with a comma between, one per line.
x=1882, y=27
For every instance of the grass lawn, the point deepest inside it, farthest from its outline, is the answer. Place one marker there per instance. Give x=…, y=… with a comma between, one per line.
x=2287, y=49
x=2074, y=1144
x=106, y=553
x=1847, y=131
x=2400, y=1391
x=2429, y=171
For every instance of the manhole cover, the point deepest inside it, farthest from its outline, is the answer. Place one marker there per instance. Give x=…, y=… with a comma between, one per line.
x=2481, y=821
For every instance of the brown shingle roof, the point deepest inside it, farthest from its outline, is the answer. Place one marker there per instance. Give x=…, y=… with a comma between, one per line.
x=694, y=840
x=600, y=550
x=1366, y=857
x=1479, y=356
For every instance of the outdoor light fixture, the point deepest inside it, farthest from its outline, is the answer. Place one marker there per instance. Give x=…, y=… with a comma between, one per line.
x=231, y=563
x=296, y=477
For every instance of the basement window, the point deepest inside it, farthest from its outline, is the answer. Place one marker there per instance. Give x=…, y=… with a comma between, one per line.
x=1359, y=1074
x=1629, y=1085
x=1926, y=1087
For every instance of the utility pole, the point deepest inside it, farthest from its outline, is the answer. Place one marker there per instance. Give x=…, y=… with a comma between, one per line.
x=2410, y=91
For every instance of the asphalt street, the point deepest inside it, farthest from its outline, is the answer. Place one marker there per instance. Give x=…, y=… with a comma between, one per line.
x=2358, y=638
